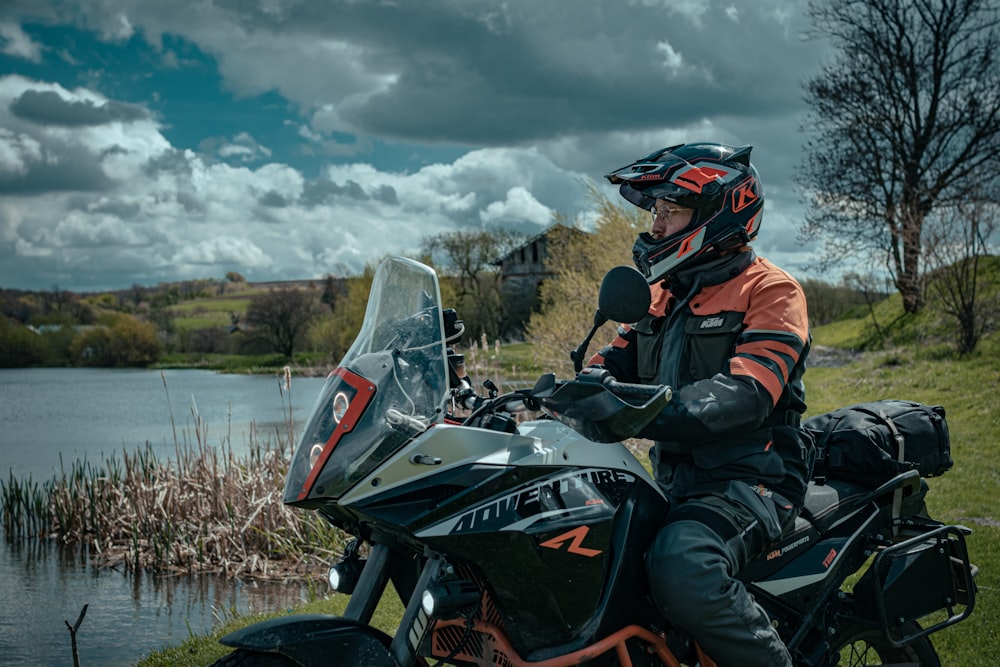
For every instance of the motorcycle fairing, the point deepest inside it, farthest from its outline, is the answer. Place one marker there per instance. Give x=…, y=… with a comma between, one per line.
x=349, y=395
x=397, y=368
x=449, y=446
x=436, y=495
x=531, y=526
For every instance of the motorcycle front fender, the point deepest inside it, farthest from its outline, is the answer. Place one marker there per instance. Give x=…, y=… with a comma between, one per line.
x=316, y=639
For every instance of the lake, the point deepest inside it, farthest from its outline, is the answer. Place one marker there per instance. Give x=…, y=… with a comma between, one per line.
x=50, y=417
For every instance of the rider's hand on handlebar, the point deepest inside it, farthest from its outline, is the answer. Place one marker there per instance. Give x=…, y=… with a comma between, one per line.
x=597, y=374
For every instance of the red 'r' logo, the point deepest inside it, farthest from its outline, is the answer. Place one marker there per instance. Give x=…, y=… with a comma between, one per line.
x=575, y=538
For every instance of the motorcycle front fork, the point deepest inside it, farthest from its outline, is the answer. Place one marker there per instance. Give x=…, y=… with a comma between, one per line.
x=369, y=590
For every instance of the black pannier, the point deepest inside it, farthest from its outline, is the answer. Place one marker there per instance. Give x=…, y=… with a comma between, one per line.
x=870, y=443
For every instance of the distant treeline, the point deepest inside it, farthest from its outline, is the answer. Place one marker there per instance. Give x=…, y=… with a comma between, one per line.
x=188, y=320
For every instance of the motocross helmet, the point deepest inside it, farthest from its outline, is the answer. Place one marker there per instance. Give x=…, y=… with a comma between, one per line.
x=716, y=181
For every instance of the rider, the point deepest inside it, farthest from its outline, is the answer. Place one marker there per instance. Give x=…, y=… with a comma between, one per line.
x=728, y=330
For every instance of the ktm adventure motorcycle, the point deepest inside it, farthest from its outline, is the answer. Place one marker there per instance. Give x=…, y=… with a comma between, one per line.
x=520, y=544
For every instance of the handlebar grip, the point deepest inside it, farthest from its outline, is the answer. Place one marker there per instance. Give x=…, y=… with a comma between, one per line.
x=637, y=391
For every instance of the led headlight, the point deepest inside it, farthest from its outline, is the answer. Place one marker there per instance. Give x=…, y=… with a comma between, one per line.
x=448, y=598
x=344, y=575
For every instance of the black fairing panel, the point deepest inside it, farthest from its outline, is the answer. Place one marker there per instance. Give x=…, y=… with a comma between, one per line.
x=431, y=499
x=561, y=578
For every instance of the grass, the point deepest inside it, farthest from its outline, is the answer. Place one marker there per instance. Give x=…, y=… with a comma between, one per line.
x=201, y=320
x=224, y=305
x=199, y=651
x=510, y=363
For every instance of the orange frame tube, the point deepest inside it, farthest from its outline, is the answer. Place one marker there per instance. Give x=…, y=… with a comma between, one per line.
x=614, y=641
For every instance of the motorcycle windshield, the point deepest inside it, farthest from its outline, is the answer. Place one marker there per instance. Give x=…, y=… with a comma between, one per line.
x=390, y=386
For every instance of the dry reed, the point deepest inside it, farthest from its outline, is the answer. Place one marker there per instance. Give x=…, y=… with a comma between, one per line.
x=205, y=510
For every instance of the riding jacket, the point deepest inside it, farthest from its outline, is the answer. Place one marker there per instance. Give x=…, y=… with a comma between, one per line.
x=731, y=338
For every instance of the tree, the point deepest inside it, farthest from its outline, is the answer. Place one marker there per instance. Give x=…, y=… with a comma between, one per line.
x=958, y=240
x=469, y=257
x=127, y=342
x=335, y=332
x=282, y=317
x=333, y=289
x=906, y=119
x=828, y=302
x=19, y=346
x=579, y=262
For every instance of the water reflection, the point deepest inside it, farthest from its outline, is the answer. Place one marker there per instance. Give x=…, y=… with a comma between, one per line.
x=44, y=586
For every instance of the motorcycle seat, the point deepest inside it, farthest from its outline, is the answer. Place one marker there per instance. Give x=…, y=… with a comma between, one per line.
x=826, y=503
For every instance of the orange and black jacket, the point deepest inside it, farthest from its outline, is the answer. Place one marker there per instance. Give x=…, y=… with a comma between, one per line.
x=732, y=340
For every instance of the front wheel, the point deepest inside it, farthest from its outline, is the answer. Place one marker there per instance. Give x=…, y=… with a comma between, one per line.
x=243, y=658
x=858, y=646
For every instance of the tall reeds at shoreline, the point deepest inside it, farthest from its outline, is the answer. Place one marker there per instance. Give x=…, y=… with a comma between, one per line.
x=205, y=510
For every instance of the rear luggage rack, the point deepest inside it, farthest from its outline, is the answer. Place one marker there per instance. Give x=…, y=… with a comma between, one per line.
x=906, y=579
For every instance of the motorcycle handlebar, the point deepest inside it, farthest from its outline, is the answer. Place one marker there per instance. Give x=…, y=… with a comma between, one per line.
x=634, y=391
x=626, y=390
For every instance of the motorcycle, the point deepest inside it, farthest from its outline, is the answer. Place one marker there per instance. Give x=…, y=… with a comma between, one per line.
x=520, y=542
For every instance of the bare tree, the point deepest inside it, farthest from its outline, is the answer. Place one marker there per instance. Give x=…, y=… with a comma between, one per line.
x=282, y=317
x=579, y=262
x=469, y=258
x=957, y=239
x=904, y=120
x=866, y=284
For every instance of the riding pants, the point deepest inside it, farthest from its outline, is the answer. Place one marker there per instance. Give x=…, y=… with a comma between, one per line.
x=691, y=567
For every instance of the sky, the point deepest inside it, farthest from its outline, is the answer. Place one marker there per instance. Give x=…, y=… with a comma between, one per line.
x=144, y=141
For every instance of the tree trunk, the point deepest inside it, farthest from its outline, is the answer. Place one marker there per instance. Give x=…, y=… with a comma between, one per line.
x=911, y=284
x=913, y=295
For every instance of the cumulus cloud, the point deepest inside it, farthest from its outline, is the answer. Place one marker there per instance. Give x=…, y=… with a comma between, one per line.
x=515, y=109
x=224, y=250
x=14, y=42
x=518, y=205
x=240, y=148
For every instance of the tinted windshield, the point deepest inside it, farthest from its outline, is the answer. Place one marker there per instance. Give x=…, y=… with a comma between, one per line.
x=390, y=386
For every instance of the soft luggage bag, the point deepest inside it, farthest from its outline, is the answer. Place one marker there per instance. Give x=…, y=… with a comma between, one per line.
x=872, y=442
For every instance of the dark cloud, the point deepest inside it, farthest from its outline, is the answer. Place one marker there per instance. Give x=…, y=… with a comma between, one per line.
x=171, y=162
x=386, y=194
x=273, y=199
x=354, y=190
x=47, y=107
x=191, y=203
x=76, y=170
x=319, y=192
x=323, y=191
x=556, y=69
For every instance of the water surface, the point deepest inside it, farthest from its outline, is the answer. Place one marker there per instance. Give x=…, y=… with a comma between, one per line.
x=50, y=417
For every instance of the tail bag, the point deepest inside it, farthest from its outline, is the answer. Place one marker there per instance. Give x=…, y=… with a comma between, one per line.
x=870, y=443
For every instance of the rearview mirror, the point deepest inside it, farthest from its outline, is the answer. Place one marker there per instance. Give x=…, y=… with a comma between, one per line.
x=624, y=295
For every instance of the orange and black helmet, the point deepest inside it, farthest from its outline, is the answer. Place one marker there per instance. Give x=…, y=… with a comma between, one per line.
x=716, y=180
